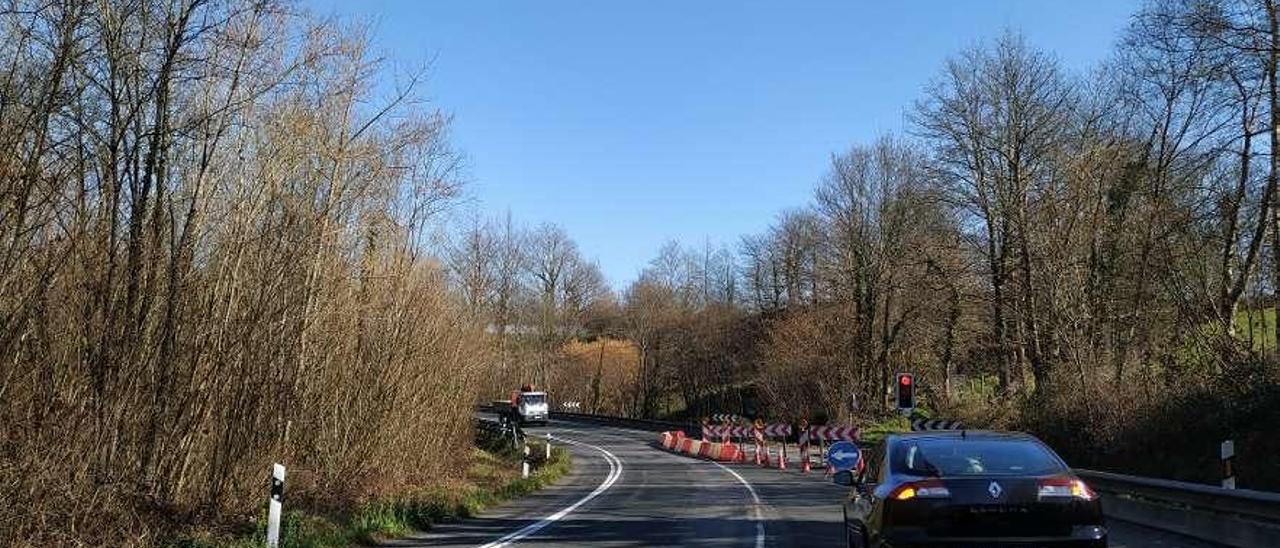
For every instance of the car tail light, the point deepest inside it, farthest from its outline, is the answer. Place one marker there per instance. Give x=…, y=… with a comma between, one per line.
x=927, y=489
x=1065, y=488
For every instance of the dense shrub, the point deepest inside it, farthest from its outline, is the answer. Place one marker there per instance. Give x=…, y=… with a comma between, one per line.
x=1169, y=431
x=213, y=263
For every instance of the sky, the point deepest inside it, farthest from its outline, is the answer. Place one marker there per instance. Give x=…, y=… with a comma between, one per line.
x=634, y=123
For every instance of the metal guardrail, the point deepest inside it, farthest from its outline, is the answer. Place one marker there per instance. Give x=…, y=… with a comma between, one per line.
x=1260, y=505
x=1232, y=517
x=689, y=428
x=639, y=424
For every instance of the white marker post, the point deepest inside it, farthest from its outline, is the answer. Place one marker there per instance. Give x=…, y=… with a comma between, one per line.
x=275, y=505
x=1228, y=456
x=548, y=446
x=524, y=463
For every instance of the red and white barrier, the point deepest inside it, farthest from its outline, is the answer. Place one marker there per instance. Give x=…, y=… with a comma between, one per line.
x=726, y=432
x=762, y=449
x=834, y=433
x=777, y=430
x=823, y=434
x=677, y=442
x=704, y=449
x=667, y=440
x=730, y=453
x=725, y=450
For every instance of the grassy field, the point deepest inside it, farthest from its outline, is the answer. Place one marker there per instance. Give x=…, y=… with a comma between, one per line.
x=1262, y=332
x=491, y=478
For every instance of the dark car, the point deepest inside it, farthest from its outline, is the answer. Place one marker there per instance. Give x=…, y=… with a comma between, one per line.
x=968, y=489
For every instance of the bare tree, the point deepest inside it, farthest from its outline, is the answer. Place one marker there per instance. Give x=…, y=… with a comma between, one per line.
x=996, y=117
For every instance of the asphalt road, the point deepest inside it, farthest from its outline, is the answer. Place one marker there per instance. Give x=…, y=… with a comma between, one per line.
x=624, y=491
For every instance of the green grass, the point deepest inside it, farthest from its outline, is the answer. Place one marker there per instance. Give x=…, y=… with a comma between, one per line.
x=875, y=432
x=1253, y=328
x=1263, y=331
x=492, y=478
x=395, y=518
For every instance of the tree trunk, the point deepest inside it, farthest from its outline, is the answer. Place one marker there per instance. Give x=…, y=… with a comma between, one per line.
x=998, y=313
x=1035, y=357
x=949, y=340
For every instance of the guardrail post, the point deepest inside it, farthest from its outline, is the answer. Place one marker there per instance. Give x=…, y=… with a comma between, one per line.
x=274, y=505
x=1228, y=452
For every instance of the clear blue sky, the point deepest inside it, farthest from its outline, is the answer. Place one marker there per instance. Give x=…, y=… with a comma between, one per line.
x=631, y=123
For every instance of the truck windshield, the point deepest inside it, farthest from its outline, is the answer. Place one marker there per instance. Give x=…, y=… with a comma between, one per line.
x=533, y=399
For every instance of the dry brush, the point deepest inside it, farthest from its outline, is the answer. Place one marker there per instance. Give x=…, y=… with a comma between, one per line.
x=209, y=262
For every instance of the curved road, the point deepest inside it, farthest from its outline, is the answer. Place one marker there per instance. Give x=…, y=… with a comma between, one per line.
x=624, y=491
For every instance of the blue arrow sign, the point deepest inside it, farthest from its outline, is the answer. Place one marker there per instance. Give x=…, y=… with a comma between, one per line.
x=843, y=455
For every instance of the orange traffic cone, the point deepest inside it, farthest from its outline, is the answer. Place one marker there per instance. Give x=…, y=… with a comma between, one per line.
x=782, y=457
x=804, y=459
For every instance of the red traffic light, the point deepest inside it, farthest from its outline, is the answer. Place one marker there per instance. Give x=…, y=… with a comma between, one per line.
x=906, y=392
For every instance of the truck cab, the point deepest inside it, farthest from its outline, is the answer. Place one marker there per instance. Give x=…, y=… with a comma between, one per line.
x=531, y=407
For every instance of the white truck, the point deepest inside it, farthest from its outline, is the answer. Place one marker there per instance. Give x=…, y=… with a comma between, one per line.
x=528, y=406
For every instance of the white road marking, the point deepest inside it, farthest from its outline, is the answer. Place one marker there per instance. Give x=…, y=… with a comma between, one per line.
x=615, y=471
x=755, y=498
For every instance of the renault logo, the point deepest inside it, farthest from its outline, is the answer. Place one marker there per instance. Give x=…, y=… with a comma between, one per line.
x=995, y=490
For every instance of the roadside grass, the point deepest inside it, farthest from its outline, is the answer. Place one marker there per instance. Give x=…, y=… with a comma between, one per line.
x=1256, y=327
x=875, y=432
x=492, y=478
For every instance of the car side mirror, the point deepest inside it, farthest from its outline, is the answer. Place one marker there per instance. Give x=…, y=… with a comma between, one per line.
x=844, y=477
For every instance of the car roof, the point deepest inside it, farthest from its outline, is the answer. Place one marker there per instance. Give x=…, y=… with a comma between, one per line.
x=893, y=442
x=963, y=435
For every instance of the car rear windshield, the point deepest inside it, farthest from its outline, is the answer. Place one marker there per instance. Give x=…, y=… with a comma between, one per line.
x=534, y=398
x=960, y=457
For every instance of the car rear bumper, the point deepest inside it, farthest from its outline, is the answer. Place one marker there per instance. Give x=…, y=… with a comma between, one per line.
x=1003, y=543
x=1092, y=536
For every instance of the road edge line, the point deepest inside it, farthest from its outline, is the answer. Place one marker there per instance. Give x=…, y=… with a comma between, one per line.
x=615, y=472
x=755, y=497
